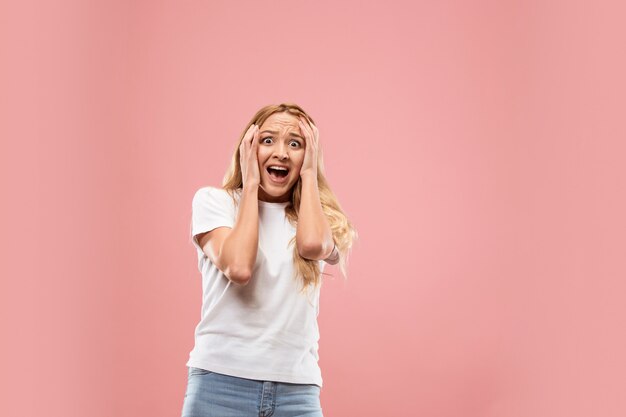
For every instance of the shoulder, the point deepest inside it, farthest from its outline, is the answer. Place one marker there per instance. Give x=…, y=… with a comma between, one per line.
x=212, y=194
x=209, y=190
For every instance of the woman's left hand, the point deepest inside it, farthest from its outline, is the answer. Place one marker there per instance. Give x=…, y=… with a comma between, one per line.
x=311, y=137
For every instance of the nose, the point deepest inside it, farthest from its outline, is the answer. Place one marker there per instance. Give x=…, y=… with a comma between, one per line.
x=280, y=151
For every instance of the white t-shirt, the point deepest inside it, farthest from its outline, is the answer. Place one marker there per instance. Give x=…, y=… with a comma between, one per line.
x=266, y=330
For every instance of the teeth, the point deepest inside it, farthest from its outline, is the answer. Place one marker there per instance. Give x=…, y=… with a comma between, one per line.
x=275, y=167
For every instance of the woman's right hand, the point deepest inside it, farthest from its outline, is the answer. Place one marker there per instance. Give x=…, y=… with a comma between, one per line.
x=248, y=149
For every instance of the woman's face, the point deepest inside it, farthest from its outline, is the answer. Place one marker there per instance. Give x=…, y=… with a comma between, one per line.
x=280, y=144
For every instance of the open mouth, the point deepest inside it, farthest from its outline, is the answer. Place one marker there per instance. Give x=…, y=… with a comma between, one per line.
x=278, y=174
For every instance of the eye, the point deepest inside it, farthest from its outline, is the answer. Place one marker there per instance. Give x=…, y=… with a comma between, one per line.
x=298, y=144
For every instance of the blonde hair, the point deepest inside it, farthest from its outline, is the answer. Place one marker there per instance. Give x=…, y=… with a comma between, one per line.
x=342, y=230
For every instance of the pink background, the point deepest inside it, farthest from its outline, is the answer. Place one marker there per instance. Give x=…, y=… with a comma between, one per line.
x=478, y=147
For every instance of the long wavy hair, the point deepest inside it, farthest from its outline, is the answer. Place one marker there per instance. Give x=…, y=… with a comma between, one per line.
x=342, y=230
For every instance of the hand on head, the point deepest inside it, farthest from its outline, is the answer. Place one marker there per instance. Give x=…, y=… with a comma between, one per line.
x=250, y=174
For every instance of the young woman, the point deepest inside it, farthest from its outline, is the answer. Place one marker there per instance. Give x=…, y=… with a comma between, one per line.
x=262, y=242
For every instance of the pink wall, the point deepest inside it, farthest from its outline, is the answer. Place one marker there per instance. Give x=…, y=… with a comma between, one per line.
x=478, y=147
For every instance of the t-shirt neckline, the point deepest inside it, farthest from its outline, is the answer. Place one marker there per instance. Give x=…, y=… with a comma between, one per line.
x=272, y=204
x=267, y=203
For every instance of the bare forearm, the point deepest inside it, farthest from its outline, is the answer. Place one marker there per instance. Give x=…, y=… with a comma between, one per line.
x=240, y=247
x=313, y=234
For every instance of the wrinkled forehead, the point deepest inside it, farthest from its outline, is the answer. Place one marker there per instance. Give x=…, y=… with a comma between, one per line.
x=281, y=121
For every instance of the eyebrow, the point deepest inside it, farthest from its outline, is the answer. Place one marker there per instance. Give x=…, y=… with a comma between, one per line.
x=275, y=132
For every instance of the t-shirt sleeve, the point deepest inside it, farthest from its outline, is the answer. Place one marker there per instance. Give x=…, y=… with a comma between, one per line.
x=210, y=208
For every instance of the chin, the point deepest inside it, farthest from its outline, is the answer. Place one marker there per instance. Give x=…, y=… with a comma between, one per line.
x=277, y=190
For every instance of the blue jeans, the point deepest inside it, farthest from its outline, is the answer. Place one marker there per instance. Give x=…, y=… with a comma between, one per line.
x=210, y=394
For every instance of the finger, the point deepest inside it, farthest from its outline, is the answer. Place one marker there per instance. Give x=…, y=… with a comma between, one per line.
x=247, y=139
x=246, y=135
x=310, y=138
x=306, y=121
x=250, y=133
x=312, y=129
x=308, y=126
x=254, y=149
x=303, y=129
